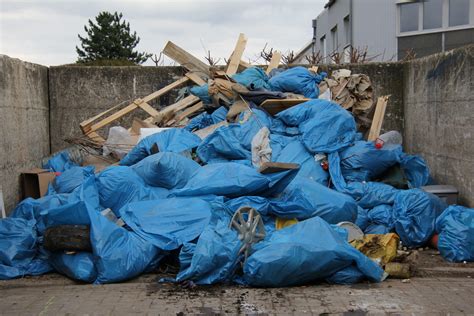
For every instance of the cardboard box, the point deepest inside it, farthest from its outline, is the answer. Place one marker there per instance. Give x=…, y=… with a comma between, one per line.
x=35, y=182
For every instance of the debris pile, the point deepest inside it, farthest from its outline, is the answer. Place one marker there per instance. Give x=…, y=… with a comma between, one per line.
x=258, y=177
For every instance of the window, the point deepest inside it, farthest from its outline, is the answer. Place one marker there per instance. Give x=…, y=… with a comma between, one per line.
x=335, y=42
x=458, y=12
x=347, y=30
x=409, y=17
x=432, y=14
x=323, y=46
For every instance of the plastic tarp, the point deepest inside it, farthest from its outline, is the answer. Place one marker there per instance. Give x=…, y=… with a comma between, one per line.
x=205, y=119
x=175, y=140
x=325, y=126
x=308, y=251
x=415, y=213
x=382, y=215
x=167, y=170
x=304, y=198
x=455, y=227
x=168, y=223
x=59, y=162
x=415, y=169
x=298, y=80
x=202, y=93
x=78, y=266
x=72, y=178
x=252, y=78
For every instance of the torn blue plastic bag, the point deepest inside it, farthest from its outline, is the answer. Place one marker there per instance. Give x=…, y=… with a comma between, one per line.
x=205, y=119
x=168, y=223
x=253, y=78
x=308, y=251
x=325, y=126
x=59, y=162
x=177, y=140
x=455, y=227
x=298, y=80
x=167, y=170
x=71, y=178
x=415, y=213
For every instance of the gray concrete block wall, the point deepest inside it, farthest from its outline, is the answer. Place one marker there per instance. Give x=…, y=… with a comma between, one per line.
x=24, y=126
x=79, y=93
x=439, y=116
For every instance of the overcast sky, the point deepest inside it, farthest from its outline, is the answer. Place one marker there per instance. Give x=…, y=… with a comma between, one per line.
x=45, y=31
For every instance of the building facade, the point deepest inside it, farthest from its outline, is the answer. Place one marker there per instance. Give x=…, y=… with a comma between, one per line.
x=389, y=29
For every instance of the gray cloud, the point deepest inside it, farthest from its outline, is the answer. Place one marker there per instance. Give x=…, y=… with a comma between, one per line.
x=46, y=31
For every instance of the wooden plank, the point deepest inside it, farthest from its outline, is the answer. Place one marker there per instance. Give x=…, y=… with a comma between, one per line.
x=185, y=59
x=146, y=107
x=378, y=118
x=274, y=62
x=137, y=124
x=274, y=106
x=195, y=78
x=272, y=167
x=203, y=133
x=198, y=106
x=168, y=111
x=166, y=89
x=236, y=56
x=85, y=125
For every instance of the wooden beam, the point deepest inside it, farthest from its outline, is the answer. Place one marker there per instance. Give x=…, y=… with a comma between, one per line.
x=274, y=62
x=195, y=78
x=185, y=59
x=272, y=167
x=377, y=121
x=191, y=110
x=166, y=89
x=168, y=111
x=274, y=106
x=236, y=56
x=146, y=107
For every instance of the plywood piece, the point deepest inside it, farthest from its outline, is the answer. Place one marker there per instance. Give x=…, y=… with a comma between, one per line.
x=185, y=59
x=203, y=133
x=236, y=56
x=274, y=106
x=274, y=62
x=272, y=167
x=377, y=120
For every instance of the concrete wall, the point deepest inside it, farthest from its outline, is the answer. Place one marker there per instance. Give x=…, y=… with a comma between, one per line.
x=24, y=126
x=79, y=93
x=439, y=116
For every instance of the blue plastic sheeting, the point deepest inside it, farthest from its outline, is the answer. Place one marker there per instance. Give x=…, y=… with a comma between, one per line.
x=167, y=170
x=415, y=169
x=362, y=218
x=72, y=178
x=415, y=213
x=295, y=152
x=17, y=247
x=382, y=215
x=250, y=128
x=371, y=194
x=175, y=140
x=119, y=185
x=455, y=227
x=119, y=254
x=308, y=251
x=168, y=223
x=349, y=275
x=298, y=80
x=79, y=266
x=304, y=198
x=75, y=213
x=378, y=229
x=204, y=119
x=364, y=162
x=225, y=179
x=224, y=144
x=215, y=256
x=325, y=126
x=60, y=162
x=202, y=93
x=253, y=78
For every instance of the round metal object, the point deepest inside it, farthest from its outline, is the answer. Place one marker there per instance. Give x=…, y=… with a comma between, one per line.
x=354, y=232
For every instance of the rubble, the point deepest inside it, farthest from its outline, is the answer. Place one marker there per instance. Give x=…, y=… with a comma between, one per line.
x=244, y=181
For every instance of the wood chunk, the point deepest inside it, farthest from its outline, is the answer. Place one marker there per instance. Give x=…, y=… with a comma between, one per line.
x=274, y=106
x=274, y=62
x=191, y=110
x=185, y=59
x=377, y=121
x=272, y=167
x=137, y=124
x=236, y=56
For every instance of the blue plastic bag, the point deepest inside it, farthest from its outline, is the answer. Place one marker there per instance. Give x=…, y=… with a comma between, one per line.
x=205, y=119
x=455, y=227
x=325, y=126
x=415, y=213
x=168, y=223
x=362, y=218
x=382, y=215
x=202, y=93
x=177, y=140
x=253, y=78
x=79, y=266
x=71, y=178
x=223, y=144
x=167, y=170
x=298, y=80
x=225, y=179
x=415, y=169
x=59, y=162
x=308, y=251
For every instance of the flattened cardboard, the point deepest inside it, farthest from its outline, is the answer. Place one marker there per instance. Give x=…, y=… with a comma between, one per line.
x=35, y=182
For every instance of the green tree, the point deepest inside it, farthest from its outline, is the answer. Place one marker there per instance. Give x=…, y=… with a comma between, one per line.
x=109, y=39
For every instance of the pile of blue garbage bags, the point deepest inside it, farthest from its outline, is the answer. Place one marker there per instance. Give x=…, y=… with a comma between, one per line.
x=179, y=203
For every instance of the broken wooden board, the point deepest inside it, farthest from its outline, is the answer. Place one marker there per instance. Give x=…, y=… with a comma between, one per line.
x=236, y=56
x=137, y=124
x=203, y=133
x=274, y=106
x=377, y=120
x=272, y=167
x=168, y=112
x=185, y=59
x=189, y=111
x=274, y=62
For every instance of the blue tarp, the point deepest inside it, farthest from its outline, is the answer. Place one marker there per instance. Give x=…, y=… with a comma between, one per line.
x=78, y=266
x=455, y=227
x=298, y=80
x=72, y=178
x=253, y=78
x=205, y=119
x=59, y=162
x=202, y=93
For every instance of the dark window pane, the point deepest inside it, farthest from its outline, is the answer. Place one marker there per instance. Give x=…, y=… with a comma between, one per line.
x=409, y=17
x=458, y=12
x=432, y=14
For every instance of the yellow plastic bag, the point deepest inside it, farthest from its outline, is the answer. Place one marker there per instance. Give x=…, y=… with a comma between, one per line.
x=282, y=222
x=381, y=247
